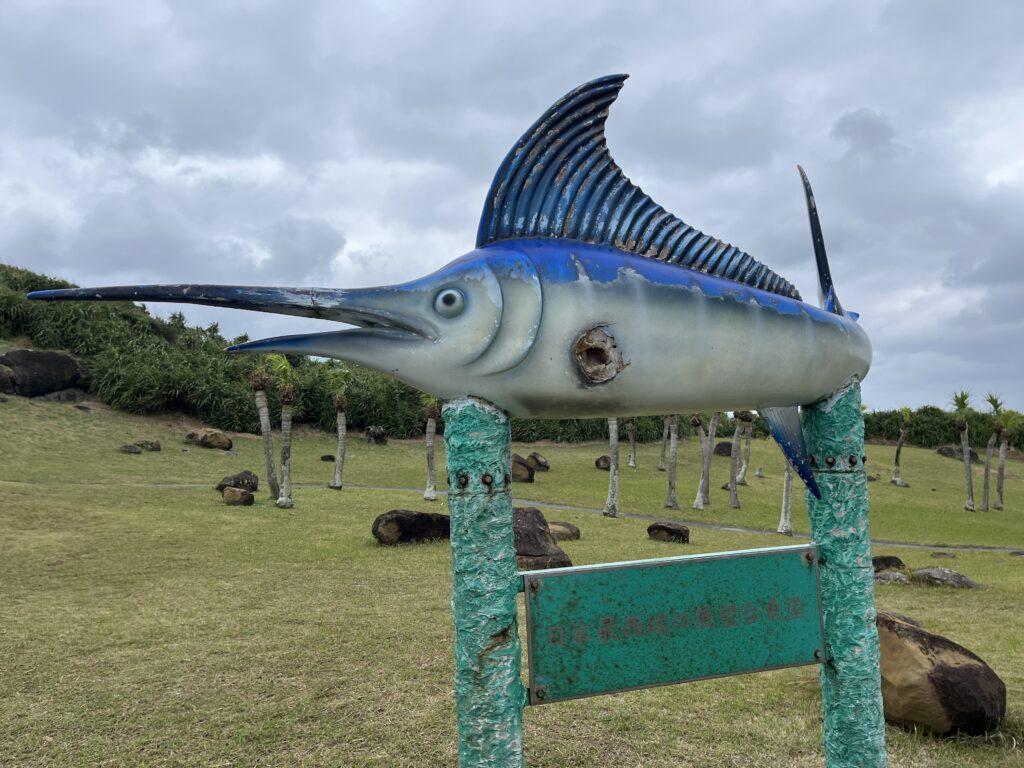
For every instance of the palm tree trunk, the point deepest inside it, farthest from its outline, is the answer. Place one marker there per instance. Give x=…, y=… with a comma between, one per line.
x=268, y=442
x=709, y=449
x=748, y=434
x=284, y=501
x=631, y=433
x=734, y=461
x=611, y=506
x=673, y=460
x=988, y=471
x=785, y=520
x=966, y=446
x=1003, y=445
x=339, y=461
x=430, y=494
x=698, y=502
x=664, y=443
x=896, y=479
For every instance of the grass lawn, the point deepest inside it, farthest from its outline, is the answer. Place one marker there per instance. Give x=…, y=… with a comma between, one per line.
x=142, y=622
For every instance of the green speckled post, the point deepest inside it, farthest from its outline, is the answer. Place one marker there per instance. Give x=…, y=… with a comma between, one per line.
x=489, y=694
x=850, y=680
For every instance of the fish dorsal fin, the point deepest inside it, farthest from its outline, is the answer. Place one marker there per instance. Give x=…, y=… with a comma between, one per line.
x=560, y=180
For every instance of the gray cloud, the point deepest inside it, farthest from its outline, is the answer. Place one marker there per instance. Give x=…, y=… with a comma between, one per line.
x=351, y=144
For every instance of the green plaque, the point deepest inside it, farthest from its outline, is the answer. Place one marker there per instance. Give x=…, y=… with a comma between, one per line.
x=621, y=626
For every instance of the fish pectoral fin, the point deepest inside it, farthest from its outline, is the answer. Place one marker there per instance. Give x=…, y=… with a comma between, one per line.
x=784, y=424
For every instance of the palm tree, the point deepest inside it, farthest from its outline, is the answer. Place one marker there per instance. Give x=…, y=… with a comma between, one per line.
x=673, y=460
x=740, y=418
x=997, y=427
x=432, y=410
x=748, y=434
x=258, y=382
x=284, y=373
x=339, y=379
x=785, y=519
x=904, y=429
x=697, y=423
x=631, y=434
x=664, y=442
x=707, y=447
x=611, y=505
x=962, y=404
x=1010, y=421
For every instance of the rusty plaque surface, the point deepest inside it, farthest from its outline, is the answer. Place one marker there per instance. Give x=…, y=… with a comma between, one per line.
x=620, y=626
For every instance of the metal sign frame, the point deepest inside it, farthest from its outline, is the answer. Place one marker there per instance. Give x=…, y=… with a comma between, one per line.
x=532, y=584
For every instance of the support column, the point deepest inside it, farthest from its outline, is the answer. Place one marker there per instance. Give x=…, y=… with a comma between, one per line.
x=850, y=679
x=489, y=694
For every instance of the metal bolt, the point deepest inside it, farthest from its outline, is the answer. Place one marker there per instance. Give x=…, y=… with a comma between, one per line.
x=817, y=654
x=534, y=585
x=540, y=693
x=486, y=479
x=812, y=461
x=830, y=460
x=853, y=461
x=463, y=480
x=508, y=480
x=809, y=557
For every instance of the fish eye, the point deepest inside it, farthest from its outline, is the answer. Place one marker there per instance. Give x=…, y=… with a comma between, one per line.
x=450, y=302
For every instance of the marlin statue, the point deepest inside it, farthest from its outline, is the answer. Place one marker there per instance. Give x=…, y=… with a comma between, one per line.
x=583, y=298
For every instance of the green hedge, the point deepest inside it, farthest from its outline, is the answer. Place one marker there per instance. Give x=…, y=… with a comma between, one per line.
x=931, y=427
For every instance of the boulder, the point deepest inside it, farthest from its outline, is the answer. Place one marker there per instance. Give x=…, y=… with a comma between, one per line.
x=667, y=530
x=3, y=399
x=6, y=380
x=244, y=480
x=887, y=563
x=536, y=547
x=375, y=436
x=403, y=526
x=1017, y=553
x=70, y=395
x=327, y=457
x=723, y=448
x=603, y=462
x=874, y=478
x=538, y=462
x=563, y=531
x=83, y=408
x=237, y=497
x=130, y=449
x=34, y=372
x=891, y=577
x=956, y=452
x=931, y=682
x=904, y=618
x=522, y=472
x=942, y=577
x=148, y=445
x=214, y=438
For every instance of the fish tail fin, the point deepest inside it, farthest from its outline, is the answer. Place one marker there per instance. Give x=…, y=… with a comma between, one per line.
x=826, y=290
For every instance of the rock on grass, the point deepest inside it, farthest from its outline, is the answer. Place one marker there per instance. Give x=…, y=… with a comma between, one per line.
x=931, y=682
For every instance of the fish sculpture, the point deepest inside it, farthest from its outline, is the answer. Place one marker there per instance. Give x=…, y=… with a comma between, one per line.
x=583, y=298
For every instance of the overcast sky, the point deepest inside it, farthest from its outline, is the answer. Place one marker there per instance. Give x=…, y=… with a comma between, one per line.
x=342, y=144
